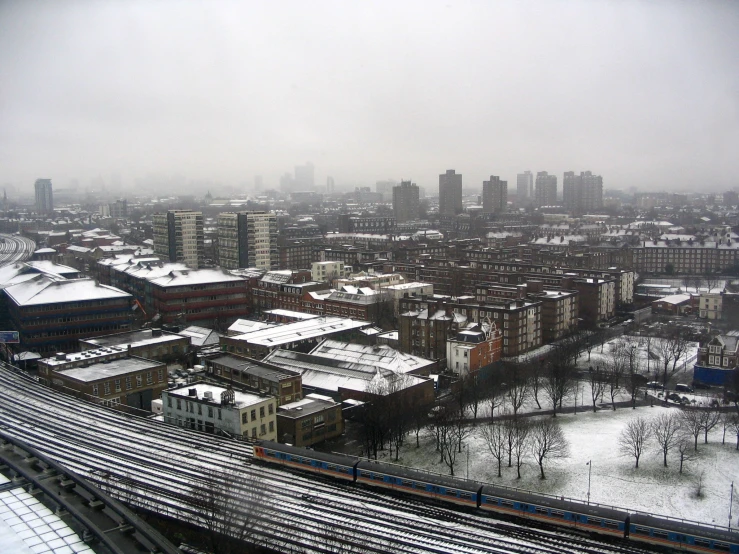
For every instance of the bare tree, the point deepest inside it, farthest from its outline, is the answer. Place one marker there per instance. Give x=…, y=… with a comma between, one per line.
x=597, y=379
x=518, y=387
x=710, y=418
x=634, y=438
x=697, y=282
x=228, y=502
x=693, y=424
x=535, y=381
x=558, y=378
x=614, y=369
x=712, y=281
x=733, y=425
x=494, y=436
x=521, y=430
x=547, y=442
x=666, y=431
x=451, y=444
x=684, y=447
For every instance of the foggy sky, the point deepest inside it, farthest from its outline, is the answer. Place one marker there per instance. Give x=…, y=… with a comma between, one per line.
x=644, y=93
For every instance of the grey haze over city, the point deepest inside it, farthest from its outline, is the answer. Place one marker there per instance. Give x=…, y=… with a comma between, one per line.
x=644, y=93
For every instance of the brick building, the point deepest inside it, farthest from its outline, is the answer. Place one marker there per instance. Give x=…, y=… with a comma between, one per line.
x=306, y=422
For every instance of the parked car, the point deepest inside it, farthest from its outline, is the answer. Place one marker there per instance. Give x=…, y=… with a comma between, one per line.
x=674, y=397
x=699, y=385
x=655, y=385
x=682, y=387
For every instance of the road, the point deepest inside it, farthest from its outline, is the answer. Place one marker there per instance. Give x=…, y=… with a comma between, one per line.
x=15, y=248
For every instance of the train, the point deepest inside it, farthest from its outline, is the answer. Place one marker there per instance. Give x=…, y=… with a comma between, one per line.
x=602, y=520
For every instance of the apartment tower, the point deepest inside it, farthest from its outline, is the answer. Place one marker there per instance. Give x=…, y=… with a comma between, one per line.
x=450, y=193
x=405, y=202
x=545, y=192
x=524, y=187
x=44, y=196
x=178, y=237
x=494, y=195
x=247, y=239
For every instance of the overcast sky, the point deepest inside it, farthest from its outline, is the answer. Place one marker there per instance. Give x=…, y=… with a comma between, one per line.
x=644, y=93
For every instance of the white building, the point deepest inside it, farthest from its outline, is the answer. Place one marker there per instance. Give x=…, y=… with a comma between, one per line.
x=322, y=272
x=710, y=305
x=216, y=409
x=396, y=292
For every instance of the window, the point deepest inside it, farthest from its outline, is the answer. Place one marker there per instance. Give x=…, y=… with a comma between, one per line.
x=210, y=411
x=271, y=426
x=149, y=378
x=128, y=383
x=106, y=390
x=219, y=413
x=244, y=418
x=139, y=380
x=271, y=409
x=253, y=415
x=117, y=385
x=159, y=375
x=254, y=432
x=94, y=390
x=261, y=412
x=179, y=404
x=263, y=429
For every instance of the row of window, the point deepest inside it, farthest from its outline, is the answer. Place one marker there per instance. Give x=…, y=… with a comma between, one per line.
x=116, y=383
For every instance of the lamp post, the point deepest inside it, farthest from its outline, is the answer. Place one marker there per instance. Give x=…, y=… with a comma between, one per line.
x=731, y=502
x=467, y=451
x=590, y=471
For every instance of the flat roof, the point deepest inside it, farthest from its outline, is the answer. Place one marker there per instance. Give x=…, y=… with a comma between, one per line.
x=291, y=313
x=134, y=338
x=311, y=404
x=251, y=367
x=106, y=370
x=300, y=330
x=47, y=290
x=241, y=399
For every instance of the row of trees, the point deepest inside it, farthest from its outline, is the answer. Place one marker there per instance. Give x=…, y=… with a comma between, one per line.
x=677, y=431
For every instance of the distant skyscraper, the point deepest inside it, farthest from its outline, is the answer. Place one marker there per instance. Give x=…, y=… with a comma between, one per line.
x=330, y=185
x=44, y=196
x=582, y=193
x=494, y=195
x=305, y=177
x=178, y=237
x=405, y=202
x=450, y=193
x=524, y=187
x=545, y=193
x=247, y=239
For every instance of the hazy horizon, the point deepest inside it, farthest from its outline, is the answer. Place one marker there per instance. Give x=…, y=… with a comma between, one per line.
x=645, y=94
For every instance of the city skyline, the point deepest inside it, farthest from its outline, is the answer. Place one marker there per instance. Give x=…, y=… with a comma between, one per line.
x=228, y=93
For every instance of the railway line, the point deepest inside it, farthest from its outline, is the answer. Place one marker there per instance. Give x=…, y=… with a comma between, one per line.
x=15, y=248
x=158, y=467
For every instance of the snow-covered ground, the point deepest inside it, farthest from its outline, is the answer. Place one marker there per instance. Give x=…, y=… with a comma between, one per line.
x=614, y=480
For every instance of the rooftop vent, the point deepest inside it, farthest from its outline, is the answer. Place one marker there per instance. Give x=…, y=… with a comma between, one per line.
x=61, y=356
x=208, y=395
x=192, y=392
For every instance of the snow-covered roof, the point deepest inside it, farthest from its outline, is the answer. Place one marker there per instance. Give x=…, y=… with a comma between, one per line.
x=49, y=290
x=241, y=399
x=188, y=277
x=675, y=299
x=200, y=336
x=300, y=330
x=380, y=356
x=290, y=313
x=109, y=369
x=141, y=337
x=241, y=326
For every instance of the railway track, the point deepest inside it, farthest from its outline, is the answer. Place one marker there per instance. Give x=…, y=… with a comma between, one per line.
x=157, y=467
x=15, y=248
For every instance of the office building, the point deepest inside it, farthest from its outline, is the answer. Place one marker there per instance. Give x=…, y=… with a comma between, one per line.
x=545, y=192
x=178, y=237
x=44, y=196
x=524, y=187
x=494, y=195
x=450, y=193
x=247, y=239
x=405, y=202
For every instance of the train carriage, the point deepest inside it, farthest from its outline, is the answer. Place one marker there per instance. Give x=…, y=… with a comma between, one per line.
x=341, y=467
x=429, y=485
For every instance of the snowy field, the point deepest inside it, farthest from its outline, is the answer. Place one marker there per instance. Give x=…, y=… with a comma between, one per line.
x=594, y=437
x=614, y=480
